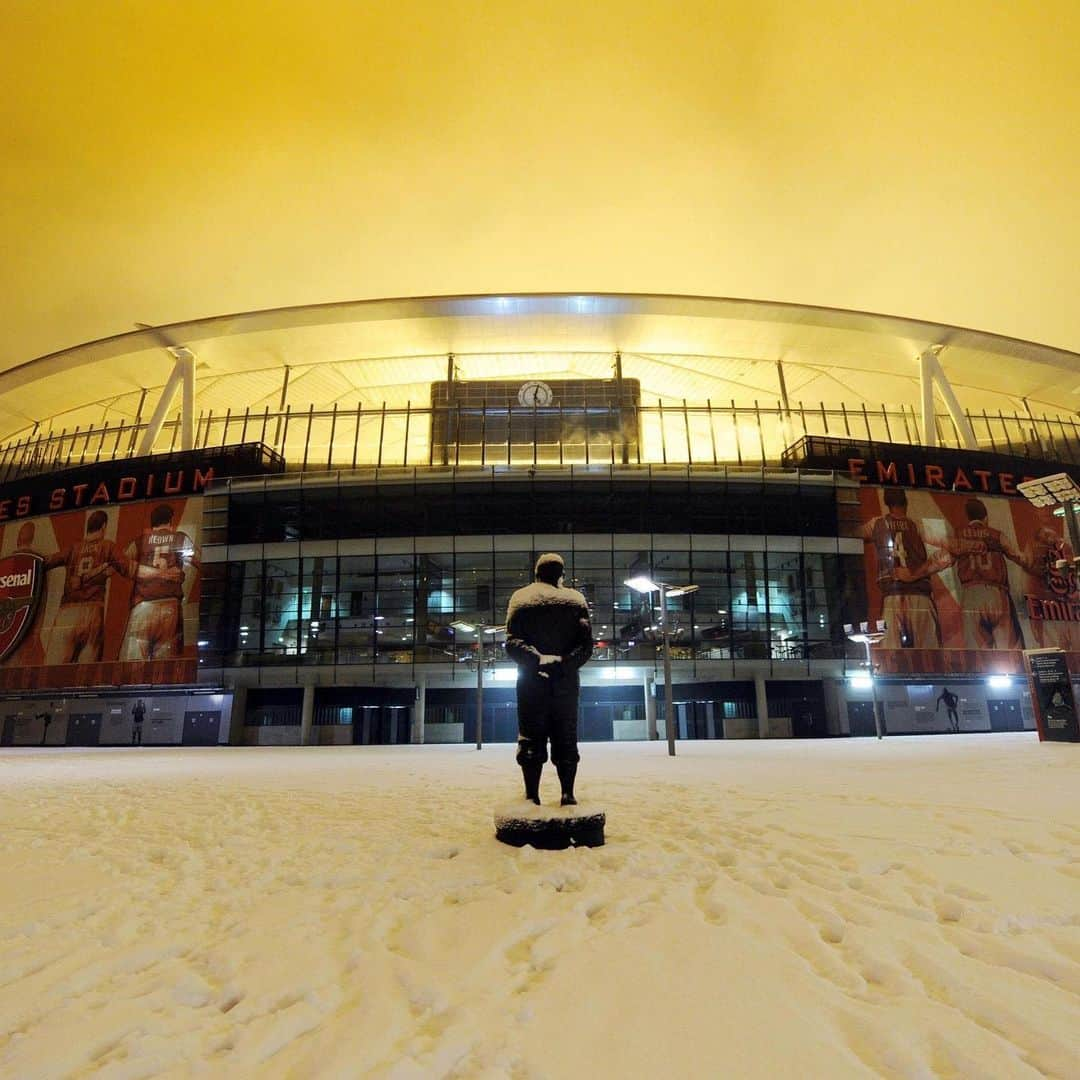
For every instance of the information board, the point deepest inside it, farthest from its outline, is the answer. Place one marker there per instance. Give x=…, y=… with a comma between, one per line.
x=1052, y=695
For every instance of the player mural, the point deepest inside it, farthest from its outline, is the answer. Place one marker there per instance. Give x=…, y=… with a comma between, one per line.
x=113, y=597
x=965, y=581
x=159, y=560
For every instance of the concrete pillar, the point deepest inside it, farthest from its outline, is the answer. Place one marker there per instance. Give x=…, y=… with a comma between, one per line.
x=307, y=714
x=762, y=707
x=650, y=706
x=237, y=713
x=416, y=733
x=710, y=719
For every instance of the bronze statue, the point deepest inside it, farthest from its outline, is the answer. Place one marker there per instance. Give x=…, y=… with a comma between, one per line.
x=549, y=637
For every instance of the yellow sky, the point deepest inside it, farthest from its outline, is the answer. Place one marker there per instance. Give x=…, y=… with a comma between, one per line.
x=163, y=161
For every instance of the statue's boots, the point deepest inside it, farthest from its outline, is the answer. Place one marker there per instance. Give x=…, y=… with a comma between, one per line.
x=567, y=771
x=531, y=770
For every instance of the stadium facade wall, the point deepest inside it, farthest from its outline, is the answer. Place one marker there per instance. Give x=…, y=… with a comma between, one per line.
x=325, y=604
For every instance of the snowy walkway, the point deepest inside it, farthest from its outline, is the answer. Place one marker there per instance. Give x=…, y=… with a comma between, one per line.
x=776, y=909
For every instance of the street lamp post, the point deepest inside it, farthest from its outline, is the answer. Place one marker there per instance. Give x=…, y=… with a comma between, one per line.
x=644, y=584
x=481, y=659
x=868, y=637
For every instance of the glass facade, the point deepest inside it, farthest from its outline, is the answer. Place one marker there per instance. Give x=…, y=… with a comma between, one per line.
x=393, y=607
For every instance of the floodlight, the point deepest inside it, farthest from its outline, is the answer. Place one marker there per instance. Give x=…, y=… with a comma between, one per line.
x=468, y=628
x=1049, y=490
x=642, y=584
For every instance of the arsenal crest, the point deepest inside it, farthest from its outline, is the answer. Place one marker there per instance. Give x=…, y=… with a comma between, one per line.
x=21, y=578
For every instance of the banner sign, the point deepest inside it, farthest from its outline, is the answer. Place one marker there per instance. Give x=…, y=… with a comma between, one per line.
x=102, y=596
x=1052, y=695
x=933, y=468
x=108, y=483
x=965, y=582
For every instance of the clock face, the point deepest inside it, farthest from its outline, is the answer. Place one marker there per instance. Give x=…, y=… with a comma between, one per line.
x=535, y=393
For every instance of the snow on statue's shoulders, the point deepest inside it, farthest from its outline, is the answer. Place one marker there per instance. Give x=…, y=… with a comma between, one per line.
x=540, y=593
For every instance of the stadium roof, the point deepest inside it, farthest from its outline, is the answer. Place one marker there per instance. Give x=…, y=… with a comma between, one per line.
x=690, y=348
x=167, y=164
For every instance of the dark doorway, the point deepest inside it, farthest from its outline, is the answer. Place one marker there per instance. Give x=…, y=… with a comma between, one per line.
x=500, y=719
x=7, y=734
x=702, y=708
x=380, y=715
x=201, y=728
x=861, y=718
x=596, y=722
x=803, y=700
x=1005, y=716
x=693, y=718
x=380, y=725
x=84, y=729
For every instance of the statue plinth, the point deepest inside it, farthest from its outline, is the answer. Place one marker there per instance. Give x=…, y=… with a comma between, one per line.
x=550, y=828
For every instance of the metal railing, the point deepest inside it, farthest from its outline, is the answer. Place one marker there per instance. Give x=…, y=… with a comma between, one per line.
x=503, y=433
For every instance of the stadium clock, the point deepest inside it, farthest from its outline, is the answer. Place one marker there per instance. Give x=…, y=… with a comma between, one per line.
x=535, y=394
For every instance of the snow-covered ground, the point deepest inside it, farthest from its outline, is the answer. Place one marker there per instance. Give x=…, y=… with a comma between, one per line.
x=908, y=908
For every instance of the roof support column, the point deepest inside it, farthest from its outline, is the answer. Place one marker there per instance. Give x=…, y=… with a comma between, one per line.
x=153, y=429
x=185, y=360
x=183, y=372
x=926, y=386
x=931, y=373
x=785, y=405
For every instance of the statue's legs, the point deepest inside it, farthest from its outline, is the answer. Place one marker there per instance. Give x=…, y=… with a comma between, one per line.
x=531, y=771
x=532, y=739
x=531, y=755
x=567, y=771
x=564, y=748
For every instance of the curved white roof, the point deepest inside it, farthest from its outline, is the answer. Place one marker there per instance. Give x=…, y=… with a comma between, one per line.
x=680, y=348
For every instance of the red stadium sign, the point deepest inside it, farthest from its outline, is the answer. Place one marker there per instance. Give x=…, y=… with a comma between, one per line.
x=21, y=577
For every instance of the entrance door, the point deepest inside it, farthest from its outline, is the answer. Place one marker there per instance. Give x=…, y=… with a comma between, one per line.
x=808, y=718
x=692, y=718
x=596, y=723
x=201, y=728
x=861, y=718
x=380, y=725
x=84, y=729
x=1005, y=716
x=7, y=734
x=500, y=722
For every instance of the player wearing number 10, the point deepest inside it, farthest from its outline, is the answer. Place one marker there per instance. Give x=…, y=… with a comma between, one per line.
x=990, y=620
x=904, y=570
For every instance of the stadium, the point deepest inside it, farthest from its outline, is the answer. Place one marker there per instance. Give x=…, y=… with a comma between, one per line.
x=337, y=337
x=323, y=323
x=303, y=525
